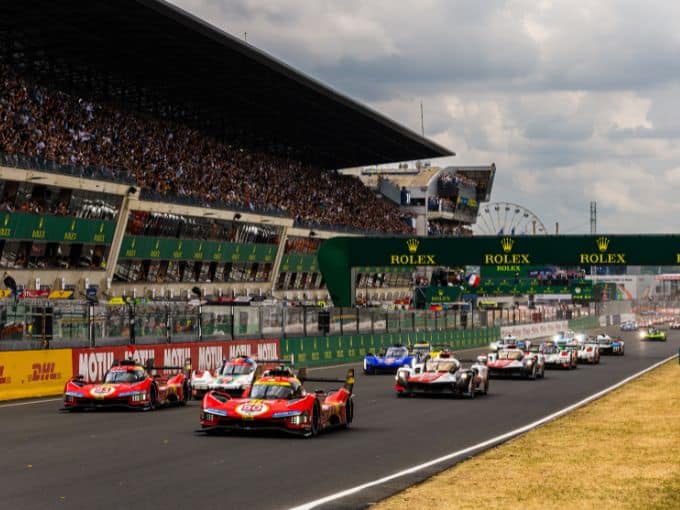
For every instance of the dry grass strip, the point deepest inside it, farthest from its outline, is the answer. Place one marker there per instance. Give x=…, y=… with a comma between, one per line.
x=622, y=451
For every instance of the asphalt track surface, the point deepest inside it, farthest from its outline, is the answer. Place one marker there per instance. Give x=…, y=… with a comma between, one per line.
x=112, y=460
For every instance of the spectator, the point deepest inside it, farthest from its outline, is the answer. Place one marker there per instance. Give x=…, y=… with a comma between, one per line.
x=170, y=159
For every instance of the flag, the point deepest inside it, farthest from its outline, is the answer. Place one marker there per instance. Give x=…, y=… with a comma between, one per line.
x=473, y=280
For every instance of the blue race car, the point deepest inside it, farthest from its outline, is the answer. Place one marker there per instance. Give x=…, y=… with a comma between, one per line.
x=629, y=326
x=396, y=356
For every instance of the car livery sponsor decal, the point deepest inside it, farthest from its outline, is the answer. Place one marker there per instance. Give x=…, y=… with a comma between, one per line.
x=4, y=379
x=102, y=390
x=93, y=363
x=252, y=408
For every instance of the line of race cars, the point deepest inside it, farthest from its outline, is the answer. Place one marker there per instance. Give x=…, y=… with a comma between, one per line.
x=437, y=371
x=246, y=394
x=242, y=394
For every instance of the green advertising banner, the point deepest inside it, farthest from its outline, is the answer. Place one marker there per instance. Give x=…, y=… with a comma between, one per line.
x=138, y=247
x=48, y=228
x=337, y=256
x=582, y=289
x=328, y=350
x=325, y=350
x=299, y=263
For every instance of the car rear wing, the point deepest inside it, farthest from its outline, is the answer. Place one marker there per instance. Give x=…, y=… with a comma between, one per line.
x=151, y=366
x=348, y=381
x=290, y=361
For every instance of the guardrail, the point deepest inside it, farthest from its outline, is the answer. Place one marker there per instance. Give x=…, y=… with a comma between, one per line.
x=41, y=323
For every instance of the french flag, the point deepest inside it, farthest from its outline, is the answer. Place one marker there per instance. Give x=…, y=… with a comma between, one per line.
x=473, y=280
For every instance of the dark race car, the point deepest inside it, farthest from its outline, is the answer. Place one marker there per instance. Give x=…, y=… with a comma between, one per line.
x=127, y=384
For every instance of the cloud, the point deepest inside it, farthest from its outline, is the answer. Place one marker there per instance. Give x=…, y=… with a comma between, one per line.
x=573, y=102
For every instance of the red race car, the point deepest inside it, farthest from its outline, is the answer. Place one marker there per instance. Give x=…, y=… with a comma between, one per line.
x=277, y=400
x=128, y=384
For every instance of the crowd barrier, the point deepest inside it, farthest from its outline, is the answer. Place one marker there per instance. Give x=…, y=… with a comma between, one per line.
x=26, y=374
x=39, y=373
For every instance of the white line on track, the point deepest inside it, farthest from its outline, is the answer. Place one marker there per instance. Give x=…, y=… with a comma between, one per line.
x=478, y=446
x=17, y=404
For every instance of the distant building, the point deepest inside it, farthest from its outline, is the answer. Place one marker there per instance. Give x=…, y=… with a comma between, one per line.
x=444, y=201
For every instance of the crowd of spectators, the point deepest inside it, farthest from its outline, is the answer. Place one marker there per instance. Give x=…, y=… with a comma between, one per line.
x=172, y=160
x=447, y=229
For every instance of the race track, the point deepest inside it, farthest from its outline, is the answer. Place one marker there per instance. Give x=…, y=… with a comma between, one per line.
x=111, y=460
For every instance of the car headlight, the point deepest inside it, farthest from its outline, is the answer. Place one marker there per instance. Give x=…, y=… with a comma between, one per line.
x=300, y=419
x=464, y=376
x=138, y=396
x=402, y=377
x=75, y=394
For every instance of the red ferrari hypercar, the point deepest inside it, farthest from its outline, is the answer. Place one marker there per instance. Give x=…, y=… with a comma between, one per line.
x=277, y=400
x=131, y=385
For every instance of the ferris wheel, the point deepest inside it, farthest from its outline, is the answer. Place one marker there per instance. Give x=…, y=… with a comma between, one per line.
x=506, y=218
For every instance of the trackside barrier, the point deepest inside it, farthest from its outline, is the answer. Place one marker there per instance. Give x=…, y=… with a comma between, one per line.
x=25, y=374
x=93, y=363
x=37, y=373
x=41, y=373
x=328, y=350
x=583, y=323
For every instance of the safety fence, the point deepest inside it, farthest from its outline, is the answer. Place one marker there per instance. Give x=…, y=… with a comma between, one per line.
x=32, y=324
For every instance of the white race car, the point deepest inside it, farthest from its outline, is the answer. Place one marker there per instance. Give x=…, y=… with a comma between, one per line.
x=442, y=375
x=503, y=342
x=234, y=376
x=588, y=351
x=564, y=337
x=512, y=361
x=558, y=355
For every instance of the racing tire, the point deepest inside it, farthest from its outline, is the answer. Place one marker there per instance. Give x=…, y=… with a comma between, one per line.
x=471, y=388
x=349, y=413
x=316, y=417
x=153, y=397
x=532, y=376
x=186, y=394
x=485, y=391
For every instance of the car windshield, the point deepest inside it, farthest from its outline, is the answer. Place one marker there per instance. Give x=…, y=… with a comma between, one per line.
x=435, y=365
x=124, y=376
x=514, y=355
x=237, y=369
x=550, y=349
x=271, y=391
x=421, y=349
x=604, y=340
x=396, y=352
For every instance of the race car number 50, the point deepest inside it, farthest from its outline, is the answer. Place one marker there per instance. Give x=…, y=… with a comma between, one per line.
x=250, y=409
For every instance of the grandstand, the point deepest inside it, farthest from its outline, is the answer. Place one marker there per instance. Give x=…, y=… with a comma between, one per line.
x=147, y=153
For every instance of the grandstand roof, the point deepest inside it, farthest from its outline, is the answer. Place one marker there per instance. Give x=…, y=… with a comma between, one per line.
x=147, y=53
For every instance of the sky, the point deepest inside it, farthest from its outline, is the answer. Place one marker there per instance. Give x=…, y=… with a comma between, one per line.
x=573, y=101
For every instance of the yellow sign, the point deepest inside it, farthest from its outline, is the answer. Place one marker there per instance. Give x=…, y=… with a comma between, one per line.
x=602, y=244
x=412, y=259
x=27, y=374
x=506, y=257
x=60, y=294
